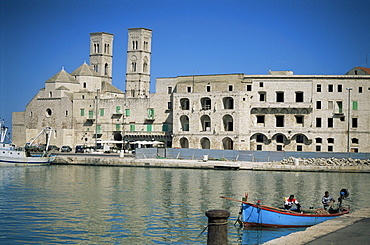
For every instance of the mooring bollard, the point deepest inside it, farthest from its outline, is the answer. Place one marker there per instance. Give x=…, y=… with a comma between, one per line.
x=217, y=227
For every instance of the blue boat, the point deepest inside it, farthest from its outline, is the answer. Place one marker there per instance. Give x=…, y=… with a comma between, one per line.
x=264, y=216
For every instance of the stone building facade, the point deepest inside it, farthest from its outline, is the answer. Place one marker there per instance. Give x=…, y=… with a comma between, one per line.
x=275, y=112
x=279, y=111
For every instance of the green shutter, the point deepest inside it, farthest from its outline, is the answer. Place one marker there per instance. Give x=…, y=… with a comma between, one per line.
x=151, y=113
x=127, y=112
x=149, y=127
x=91, y=114
x=354, y=105
x=101, y=112
x=82, y=111
x=339, y=103
x=98, y=129
x=118, y=109
x=132, y=127
x=165, y=127
x=118, y=127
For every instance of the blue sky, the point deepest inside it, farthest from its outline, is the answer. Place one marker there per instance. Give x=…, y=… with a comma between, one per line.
x=39, y=37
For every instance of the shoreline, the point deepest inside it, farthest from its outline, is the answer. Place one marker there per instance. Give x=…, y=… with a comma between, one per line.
x=115, y=161
x=336, y=231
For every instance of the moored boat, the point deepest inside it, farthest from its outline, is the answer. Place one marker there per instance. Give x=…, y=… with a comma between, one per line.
x=265, y=216
x=13, y=155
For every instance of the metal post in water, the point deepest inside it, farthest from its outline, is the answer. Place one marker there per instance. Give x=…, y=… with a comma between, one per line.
x=217, y=227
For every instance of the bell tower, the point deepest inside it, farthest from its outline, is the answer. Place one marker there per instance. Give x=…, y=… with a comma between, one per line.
x=101, y=53
x=138, y=63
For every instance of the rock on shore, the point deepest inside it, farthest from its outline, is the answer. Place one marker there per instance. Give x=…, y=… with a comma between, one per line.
x=323, y=162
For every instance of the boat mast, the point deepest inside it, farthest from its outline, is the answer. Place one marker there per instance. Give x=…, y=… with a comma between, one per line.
x=3, y=131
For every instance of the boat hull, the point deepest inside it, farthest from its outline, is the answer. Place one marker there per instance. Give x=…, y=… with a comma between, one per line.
x=258, y=215
x=12, y=158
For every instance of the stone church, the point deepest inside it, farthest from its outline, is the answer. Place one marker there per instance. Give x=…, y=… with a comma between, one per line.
x=279, y=111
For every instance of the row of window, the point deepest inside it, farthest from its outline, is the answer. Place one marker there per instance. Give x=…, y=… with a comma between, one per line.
x=106, y=48
x=189, y=89
x=150, y=114
x=338, y=107
x=300, y=148
x=134, y=66
x=230, y=87
x=106, y=69
x=135, y=45
x=279, y=96
x=206, y=103
x=279, y=121
x=331, y=88
x=118, y=127
x=205, y=122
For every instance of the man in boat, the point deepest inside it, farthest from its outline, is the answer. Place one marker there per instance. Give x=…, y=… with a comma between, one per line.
x=288, y=204
x=327, y=200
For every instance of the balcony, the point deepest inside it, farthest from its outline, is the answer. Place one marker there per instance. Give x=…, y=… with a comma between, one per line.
x=116, y=115
x=150, y=118
x=281, y=105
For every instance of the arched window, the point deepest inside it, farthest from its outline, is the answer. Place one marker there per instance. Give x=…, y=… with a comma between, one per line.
x=228, y=123
x=206, y=103
x=84, y=85
x=184, y=104
x=228, y=103
x=205, y=121
x=106, y=69
x=96, y=68
x=280, y=138
x=50, y=94
x=184, y=142
x=227, y=143
x=205, y=143
x=133, y=66
x=184, y=122
x=135, y=44
x=96, y=48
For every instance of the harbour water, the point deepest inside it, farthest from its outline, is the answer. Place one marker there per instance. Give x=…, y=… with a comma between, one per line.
x=130, y=205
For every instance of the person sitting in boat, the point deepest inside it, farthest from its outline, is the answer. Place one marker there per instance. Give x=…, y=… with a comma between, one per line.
x=288, y=204
x=327, y=200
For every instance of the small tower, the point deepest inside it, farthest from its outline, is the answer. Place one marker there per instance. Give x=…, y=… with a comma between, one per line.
x=138, y=63
x=101, y=53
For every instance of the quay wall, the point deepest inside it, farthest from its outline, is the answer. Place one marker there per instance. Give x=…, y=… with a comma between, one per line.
x=352, y=166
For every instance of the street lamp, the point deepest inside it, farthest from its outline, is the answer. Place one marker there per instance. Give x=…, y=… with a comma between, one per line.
x=96, y=119
x=349, y=117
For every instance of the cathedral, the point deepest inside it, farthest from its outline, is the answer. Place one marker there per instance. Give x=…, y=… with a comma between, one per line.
x=278, y=111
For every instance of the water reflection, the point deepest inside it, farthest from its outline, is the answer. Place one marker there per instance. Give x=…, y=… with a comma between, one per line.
x=259, y=235
x=94, y=205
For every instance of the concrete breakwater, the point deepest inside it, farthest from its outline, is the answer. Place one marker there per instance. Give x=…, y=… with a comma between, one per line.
x=324, y=162
x=290, y=164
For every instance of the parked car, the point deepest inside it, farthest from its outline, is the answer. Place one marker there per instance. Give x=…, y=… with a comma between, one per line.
x=53, y=147
x=80, y=149
x=66, y=148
